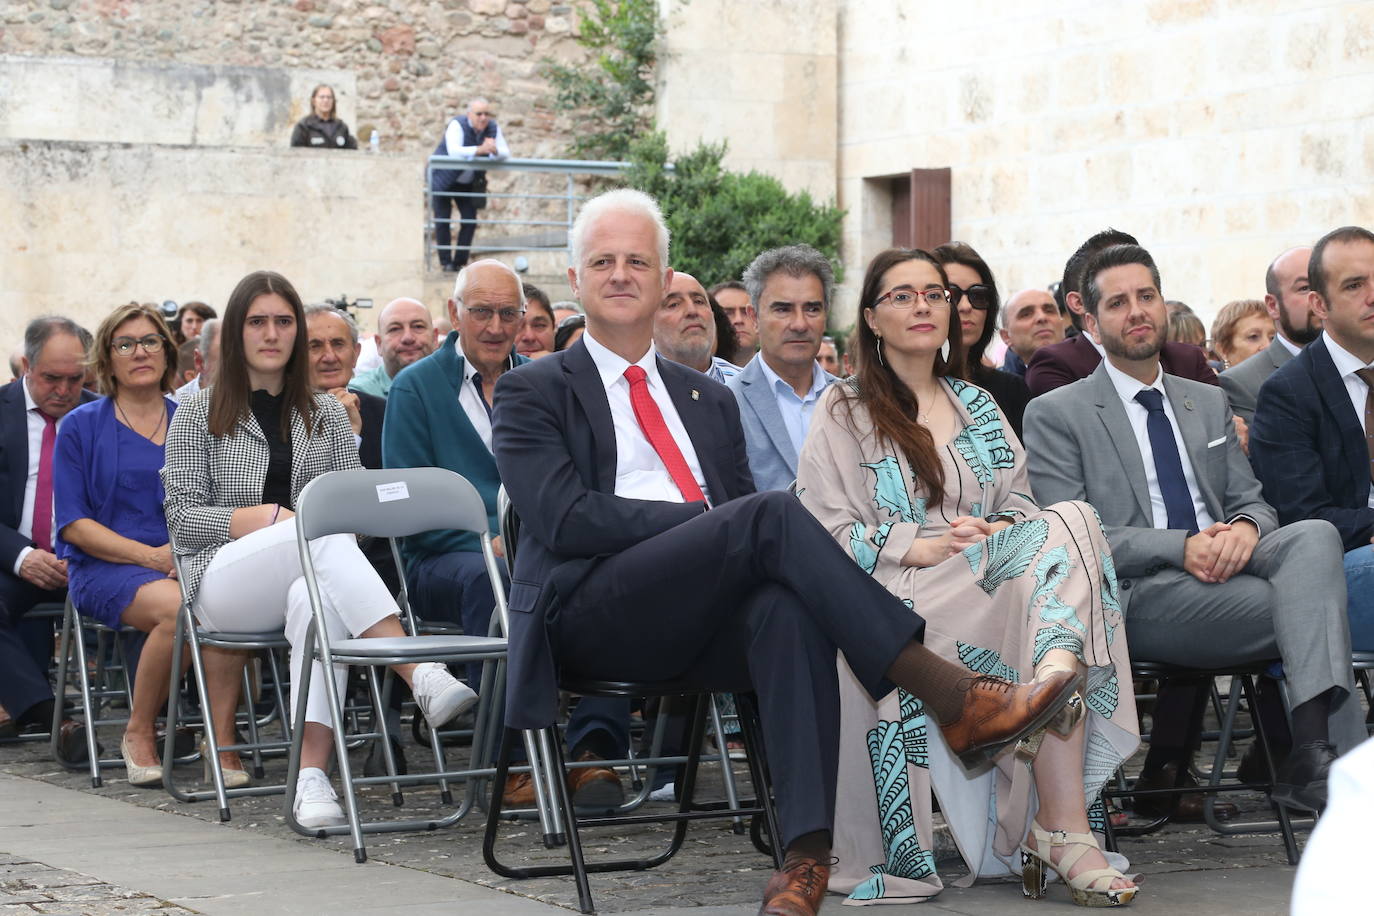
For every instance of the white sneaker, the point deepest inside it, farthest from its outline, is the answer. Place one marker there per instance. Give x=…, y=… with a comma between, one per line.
x=316, y=804
x=440, y=695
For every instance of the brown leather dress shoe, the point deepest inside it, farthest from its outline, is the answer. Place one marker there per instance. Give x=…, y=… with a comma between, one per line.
x=1183, y=809
x=519, y=791
x=596, y=788
x=998, y=713
x=796, y=891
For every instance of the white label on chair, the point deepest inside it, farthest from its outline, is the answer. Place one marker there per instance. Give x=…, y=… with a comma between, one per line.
x=387, y=492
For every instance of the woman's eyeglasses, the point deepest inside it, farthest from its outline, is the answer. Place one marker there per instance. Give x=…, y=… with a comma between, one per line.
x=979, y=296
x=124, y=346
x=905, y=299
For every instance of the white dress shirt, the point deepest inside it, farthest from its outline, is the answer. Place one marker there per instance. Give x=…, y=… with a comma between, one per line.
x=36, y=425
x=1347, y=364
x=1127, y=388
x=639, y=472
x=453, y=142
x=470, y=399
x=796, y=412
x=185, y=391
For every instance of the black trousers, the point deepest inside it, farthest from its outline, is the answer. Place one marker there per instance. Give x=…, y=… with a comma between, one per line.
x=24, y=650
x=753, y=595
x=467, y=228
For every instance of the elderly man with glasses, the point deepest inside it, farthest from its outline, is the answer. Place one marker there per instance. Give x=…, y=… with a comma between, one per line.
x=439, y=415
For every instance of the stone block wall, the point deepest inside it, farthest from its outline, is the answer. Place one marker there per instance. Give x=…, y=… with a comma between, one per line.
x=413, y=64
x=1219, y=132
x=761, y=75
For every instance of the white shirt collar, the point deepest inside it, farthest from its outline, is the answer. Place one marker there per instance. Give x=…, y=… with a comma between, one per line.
x=29, y=402
x=611, y=365
x=1288, y=344
x=818, y=380
x=1346, y=362
x=1128, y=387
x=1101, y=350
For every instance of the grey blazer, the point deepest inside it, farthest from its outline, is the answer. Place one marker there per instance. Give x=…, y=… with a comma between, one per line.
x=207, y=477
x=1080, y=445
x=1242, y=383
x=772, y=459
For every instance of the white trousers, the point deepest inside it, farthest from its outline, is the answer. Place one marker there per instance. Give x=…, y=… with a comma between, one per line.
x=255, y=584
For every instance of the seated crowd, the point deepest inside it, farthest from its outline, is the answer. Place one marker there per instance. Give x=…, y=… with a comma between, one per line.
x=984, y=546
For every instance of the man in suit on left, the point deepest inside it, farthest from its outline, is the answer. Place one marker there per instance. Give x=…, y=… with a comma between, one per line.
x=646, y=555
x=31, y=408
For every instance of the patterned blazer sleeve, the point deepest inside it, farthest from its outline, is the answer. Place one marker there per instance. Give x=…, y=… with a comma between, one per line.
x=343, y=445
x=193, y=520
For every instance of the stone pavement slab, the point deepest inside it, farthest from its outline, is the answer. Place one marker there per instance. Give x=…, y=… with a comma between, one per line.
x=144, y=841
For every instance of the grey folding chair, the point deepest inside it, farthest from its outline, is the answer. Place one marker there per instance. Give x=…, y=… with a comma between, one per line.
x=391, y=504
x=192, y=634
x=95, y=689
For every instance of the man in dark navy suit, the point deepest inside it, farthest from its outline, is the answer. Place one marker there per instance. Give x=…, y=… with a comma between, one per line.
x=646, y=555
x=31, y=408
x=1070, y=360
x=1310, y=444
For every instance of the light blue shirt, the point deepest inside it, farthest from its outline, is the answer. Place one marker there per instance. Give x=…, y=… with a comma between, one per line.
x=722, y=370
x=373, y=381
x=796, y=412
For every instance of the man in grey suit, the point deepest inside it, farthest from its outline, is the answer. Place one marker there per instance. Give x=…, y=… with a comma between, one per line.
x=778, y=389
x=1206, y=575
x=1285, y=296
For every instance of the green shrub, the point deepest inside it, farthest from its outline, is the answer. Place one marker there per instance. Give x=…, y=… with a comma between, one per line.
x=721, y=220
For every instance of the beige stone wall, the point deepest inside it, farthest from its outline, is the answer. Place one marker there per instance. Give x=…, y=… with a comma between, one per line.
x=96, y=99
x=413, y=63
x=760, y=74
x=89, y=226
x=1217, y=131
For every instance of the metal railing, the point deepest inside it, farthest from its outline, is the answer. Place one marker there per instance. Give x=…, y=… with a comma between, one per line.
x=544, y=205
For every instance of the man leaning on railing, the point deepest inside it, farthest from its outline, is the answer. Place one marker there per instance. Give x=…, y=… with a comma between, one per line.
x=472, y=135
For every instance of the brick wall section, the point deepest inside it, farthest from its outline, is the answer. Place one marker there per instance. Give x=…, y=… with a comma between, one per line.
x=416, y=63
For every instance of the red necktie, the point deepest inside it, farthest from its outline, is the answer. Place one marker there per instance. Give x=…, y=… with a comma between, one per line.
x=42, y=497
x=656, y=431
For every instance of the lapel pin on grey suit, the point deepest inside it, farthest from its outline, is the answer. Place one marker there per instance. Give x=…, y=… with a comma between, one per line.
x=1188, y=403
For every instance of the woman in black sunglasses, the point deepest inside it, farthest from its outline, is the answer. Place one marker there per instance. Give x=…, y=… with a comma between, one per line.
x=973, y=293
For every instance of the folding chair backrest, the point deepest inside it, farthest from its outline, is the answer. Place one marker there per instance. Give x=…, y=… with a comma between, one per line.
x=389, y=503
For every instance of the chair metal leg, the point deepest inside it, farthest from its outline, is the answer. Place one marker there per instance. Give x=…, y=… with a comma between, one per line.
x=84, y=678
x=757, y=755
x=379, y=697
x=727, y=773
x=1290, y=843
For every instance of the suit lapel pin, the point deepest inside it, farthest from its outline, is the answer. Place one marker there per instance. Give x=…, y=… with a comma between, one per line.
x=696, y=395
x=1188, y=403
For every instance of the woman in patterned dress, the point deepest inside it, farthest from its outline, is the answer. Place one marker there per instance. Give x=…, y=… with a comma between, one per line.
x=916, y=473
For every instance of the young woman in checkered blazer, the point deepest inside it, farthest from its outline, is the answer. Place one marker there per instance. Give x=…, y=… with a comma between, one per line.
x=238, y=455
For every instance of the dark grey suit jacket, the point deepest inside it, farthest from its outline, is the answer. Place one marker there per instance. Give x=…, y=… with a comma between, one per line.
x=1242, y=383
x=1080, y=445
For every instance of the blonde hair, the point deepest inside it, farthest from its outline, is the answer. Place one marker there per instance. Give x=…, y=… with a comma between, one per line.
x=101, y=359
x=1229, y=318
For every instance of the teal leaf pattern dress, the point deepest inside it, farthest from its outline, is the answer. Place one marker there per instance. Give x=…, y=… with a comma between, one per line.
x=1046, y=582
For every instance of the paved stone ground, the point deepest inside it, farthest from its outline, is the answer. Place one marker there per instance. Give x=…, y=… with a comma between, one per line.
x=716, y=868
x=27, y=886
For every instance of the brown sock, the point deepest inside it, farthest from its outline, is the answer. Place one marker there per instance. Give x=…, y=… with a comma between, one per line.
x=935, y=681
x=813, y=845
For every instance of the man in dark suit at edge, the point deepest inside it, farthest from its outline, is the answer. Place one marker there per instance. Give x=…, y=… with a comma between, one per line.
x=647, y=556
x=31, y=408
x=1311, y=447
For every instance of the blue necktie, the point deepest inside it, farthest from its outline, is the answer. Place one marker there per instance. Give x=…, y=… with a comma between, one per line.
x=1173, y=486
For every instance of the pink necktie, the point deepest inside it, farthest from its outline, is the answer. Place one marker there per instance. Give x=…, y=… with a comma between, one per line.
x=42, y=497
x=656, y=431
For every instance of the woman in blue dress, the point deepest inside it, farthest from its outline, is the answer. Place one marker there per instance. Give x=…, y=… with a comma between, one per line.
x=107, y=503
